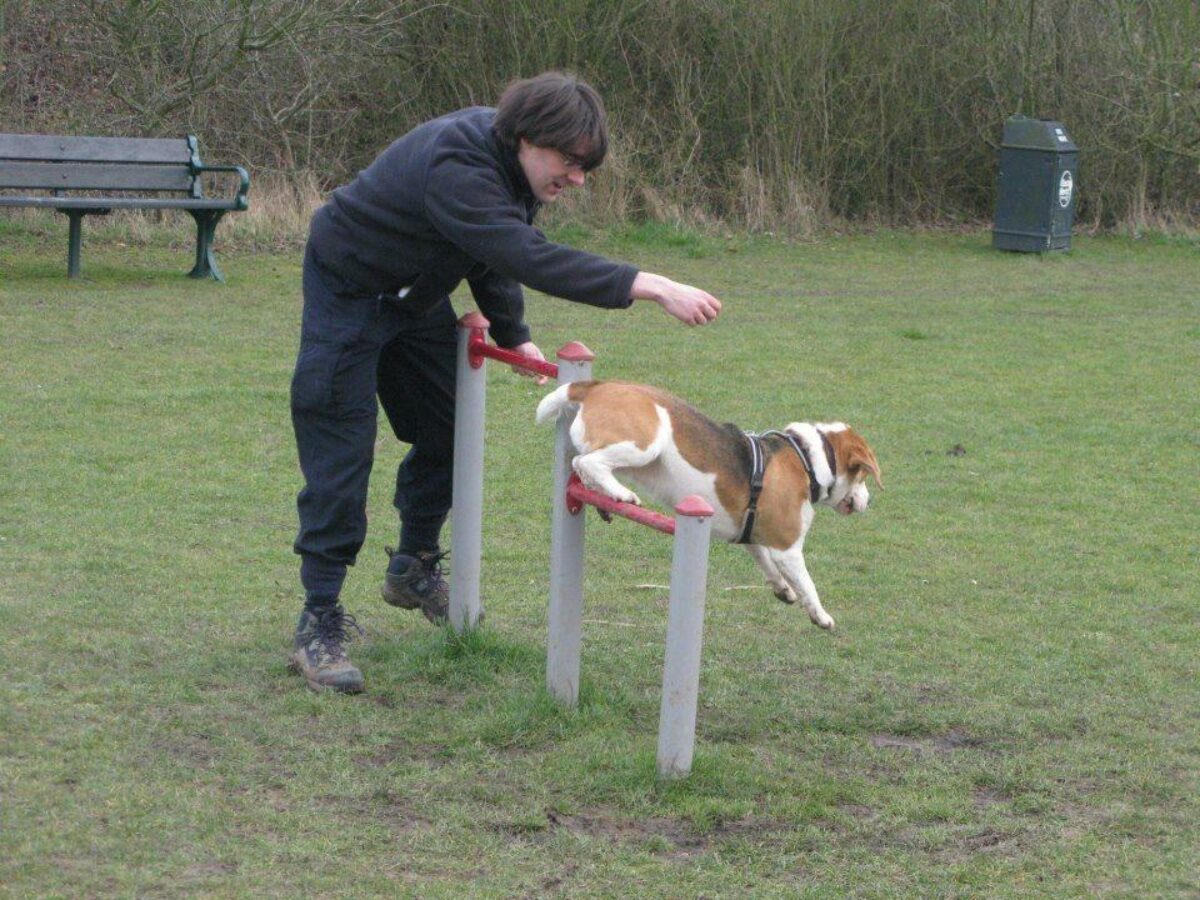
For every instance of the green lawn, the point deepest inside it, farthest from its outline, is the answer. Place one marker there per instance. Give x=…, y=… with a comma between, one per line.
x=1008, y=706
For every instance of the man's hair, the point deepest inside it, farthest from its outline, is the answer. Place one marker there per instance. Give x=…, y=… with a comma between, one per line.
x=555, y=110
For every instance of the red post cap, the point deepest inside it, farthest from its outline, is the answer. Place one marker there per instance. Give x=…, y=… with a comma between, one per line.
x=473, y=320
x=575, y=352
x=693, y=505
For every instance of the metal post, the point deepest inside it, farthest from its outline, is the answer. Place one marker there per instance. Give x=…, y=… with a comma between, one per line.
x=466, y=543
x=685, y=631
x=75, y=241
x=565, y=635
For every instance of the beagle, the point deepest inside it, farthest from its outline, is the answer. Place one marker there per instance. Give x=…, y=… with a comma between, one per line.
x=762, y=487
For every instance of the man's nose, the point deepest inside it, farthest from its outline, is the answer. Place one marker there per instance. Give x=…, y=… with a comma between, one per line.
x=576, y=176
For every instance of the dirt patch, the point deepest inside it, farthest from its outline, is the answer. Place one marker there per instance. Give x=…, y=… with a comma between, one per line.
x=985, y=797
x=945, y=743
x=961, y=847
x=859, y=810
x=382, y=807
x=616, y=830
x=668, y=837
x=194, y=749
x=211, y=868
x=405, y=753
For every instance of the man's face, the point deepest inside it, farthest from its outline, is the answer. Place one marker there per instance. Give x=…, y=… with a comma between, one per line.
x=548, y=171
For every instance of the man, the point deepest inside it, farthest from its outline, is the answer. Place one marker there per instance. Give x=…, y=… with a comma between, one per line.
x=453, y=199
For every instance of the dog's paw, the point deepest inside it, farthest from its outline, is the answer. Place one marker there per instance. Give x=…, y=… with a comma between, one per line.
x=822, y=619
x=627, y=496
x=787, y=595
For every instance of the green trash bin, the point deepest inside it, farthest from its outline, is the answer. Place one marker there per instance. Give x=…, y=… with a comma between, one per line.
x=1035, y=202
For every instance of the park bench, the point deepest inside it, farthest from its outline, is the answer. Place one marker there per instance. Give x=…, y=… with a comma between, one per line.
x=82, y=176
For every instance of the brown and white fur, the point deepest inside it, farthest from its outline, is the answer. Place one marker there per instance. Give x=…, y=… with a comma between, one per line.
x=671, y=450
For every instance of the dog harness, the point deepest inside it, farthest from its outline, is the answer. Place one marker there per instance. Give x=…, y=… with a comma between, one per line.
x=758, y=467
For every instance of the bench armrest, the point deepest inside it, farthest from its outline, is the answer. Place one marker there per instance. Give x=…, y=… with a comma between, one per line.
x=243, y=186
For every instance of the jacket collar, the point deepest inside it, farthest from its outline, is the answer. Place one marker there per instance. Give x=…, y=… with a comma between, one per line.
x=512, y=165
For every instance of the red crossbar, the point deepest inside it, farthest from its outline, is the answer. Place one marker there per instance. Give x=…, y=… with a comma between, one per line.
x=578, y=495
x=479, y=347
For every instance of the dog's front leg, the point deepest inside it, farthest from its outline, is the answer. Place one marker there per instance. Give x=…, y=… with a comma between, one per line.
x=782, y=589
x=791, y=565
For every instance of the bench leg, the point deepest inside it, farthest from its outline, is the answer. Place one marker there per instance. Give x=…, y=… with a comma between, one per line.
x=206, y=226
x=76, y=235
x=76, y=241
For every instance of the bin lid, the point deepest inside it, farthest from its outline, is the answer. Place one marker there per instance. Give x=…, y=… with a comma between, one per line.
x=1024, y=133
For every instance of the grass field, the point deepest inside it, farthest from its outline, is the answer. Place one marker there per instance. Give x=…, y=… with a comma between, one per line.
x=1008, y=706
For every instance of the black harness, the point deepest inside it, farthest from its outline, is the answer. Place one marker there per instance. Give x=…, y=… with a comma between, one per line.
x=758, y=467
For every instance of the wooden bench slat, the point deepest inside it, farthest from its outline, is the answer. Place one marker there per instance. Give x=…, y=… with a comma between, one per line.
x=95, y=176
x=95, y=149
x=120, y=203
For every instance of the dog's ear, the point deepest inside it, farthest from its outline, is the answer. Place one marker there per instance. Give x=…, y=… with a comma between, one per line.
x=861, y=462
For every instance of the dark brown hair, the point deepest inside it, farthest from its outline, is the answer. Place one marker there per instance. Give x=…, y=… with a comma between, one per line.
x=555, y=110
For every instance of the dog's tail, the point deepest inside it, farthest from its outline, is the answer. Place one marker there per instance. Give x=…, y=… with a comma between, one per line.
x=553, y=403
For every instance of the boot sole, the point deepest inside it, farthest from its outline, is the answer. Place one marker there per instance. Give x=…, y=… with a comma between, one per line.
x=318, y=688
x=393, y=597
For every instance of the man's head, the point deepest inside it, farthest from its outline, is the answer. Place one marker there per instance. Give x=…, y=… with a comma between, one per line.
x=557, y=126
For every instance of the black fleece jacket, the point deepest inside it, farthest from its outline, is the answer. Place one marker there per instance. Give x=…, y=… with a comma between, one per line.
x=446, y=202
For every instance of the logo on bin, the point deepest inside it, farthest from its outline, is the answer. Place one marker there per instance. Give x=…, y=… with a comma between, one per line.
x=1066, y=186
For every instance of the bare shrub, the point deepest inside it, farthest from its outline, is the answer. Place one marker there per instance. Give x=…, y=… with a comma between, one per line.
x=764, y=114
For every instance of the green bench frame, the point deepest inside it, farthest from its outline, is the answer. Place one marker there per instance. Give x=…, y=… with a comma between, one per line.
x=88, y=176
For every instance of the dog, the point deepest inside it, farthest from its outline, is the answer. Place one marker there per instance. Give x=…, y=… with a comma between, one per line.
x=762, y=488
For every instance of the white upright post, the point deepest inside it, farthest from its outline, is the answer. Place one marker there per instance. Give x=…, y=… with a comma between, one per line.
x=685, y=631
x=466, y=543
x=566, y=548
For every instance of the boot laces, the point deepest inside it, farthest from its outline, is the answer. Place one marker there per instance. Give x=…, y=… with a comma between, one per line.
x=432, y=563
x=331, y=632
x=431, y=570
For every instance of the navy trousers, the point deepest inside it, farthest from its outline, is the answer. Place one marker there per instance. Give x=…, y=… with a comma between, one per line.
x=353, y=349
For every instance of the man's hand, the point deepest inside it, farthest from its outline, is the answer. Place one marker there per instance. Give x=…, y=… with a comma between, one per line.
x=688, y=304
x=530, y=351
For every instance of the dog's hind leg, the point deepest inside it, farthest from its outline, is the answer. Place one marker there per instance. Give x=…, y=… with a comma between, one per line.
x=791, y=565
x=595, y=469
x=779, y=585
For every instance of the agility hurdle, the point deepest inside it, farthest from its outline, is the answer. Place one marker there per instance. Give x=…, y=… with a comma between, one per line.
x=691, y=529
x=466, y=540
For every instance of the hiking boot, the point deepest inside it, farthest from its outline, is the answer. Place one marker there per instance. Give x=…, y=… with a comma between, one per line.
x=317, y=652
x=414, y=581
